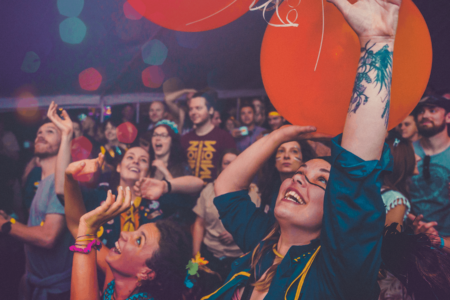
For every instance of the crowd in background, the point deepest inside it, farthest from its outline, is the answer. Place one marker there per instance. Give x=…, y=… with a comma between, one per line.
x=192, y=140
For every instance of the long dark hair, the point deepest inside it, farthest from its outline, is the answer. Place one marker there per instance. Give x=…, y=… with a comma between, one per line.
x=268, y=174
x=177, y=157
x=404, y=164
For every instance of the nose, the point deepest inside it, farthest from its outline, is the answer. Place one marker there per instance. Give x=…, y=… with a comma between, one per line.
x=300, y=179
x=125, y=235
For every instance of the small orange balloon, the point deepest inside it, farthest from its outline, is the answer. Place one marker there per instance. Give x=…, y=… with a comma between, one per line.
x=321, y=98
x=126, y=133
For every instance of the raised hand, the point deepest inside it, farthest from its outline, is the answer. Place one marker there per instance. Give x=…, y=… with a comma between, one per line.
x=85, y=168
x=108, y=210
x=428, y=228
x=150, y=188
x=371, y=19
x=159, y=164
x=65, y=124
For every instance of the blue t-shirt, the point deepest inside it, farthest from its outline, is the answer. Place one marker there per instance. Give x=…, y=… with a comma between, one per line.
x=431, y=197
x=45, y=263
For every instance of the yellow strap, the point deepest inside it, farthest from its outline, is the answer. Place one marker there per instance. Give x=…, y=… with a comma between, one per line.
x=102, y=150
x=276, y=251
x=247, y=274
x=302, y=276
x=89, y=239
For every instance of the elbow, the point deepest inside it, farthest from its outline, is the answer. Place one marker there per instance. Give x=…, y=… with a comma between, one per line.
x=48, y=242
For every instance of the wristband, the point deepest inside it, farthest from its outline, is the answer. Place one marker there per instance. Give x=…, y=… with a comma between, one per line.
x=94, y=244
x=169, y=186
x=442, y=243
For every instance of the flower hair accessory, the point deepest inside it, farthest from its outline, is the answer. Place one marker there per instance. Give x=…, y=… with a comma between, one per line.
x=192, y=269
x=171, y=124
x=396, y=142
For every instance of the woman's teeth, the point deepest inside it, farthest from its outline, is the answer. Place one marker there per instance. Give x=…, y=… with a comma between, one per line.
x=294, y=197
x=118, y=248
x=134, y=170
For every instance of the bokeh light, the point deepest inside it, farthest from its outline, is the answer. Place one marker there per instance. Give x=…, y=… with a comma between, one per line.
x=72, y=30
x=131, y=13
x=154, y=52
x=27, y=107
x=152, y=77
x=31, y=62
x=172, y=85
x=70, y=8
x=191, y=40
x=126, y=133
x=90, y=79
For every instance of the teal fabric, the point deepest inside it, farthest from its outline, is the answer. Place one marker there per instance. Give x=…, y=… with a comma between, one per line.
x=348, y=262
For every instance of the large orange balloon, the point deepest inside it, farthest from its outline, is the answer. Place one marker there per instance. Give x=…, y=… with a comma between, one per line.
x=191, y=15
x=321, y=98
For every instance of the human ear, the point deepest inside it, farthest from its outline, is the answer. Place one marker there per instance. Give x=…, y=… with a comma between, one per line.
x=118, y=168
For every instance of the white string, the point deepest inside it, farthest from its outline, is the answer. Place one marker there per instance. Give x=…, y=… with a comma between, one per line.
x=263, y=7
x=213, y=13
x=323, y=33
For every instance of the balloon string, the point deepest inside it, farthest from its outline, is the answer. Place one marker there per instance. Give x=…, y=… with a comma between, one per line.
x=213, y=13
x=265, y=7
x=321, y=40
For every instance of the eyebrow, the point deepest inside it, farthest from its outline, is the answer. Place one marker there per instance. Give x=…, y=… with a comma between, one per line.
x=145, y=237
x=305, y=166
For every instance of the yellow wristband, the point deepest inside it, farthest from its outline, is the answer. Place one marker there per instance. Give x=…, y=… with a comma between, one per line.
x=90, y=239
x=12, y=220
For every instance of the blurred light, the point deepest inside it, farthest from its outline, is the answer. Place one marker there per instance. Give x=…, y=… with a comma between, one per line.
x=31, y=62
x=154, y=52
x=172, y=85
x=27, y=106
x=90, y=79
x=134, y=13
x=72, y=30
x=191, y=40
x=126, y=133
x=70, y=8
x=107, y=111
x=152, y=77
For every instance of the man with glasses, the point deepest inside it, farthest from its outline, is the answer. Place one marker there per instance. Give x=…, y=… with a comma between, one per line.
x=430, y=189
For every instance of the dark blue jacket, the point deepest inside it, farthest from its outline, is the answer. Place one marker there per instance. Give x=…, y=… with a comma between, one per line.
x=347, y=264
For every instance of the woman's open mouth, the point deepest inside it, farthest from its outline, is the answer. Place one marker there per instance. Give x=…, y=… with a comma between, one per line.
x=293, y=196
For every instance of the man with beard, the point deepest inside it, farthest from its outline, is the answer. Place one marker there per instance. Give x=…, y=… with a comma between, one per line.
x=429, y=190
x=204, y=144
x=46, y=237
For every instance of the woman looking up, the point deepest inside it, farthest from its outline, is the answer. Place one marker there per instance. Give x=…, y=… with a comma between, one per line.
x=326, y=241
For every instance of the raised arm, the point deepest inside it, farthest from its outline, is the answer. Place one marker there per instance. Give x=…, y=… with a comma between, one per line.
x=153, y=189
x=375, y=23
x=65, y=125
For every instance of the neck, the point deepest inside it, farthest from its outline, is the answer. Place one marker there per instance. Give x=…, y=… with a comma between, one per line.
x=205, y=128
x=124, y=287
x=48, y=165
x=414, y=137
x=125, y=183
x=290, y=236
x=164, y=158
x=435, y=144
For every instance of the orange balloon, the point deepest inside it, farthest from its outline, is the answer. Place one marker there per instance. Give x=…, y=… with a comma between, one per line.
x=192, y=15
x=322, y=97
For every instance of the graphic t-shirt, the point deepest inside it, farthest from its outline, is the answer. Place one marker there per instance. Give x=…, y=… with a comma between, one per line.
x=431, y=197
x=203, y=151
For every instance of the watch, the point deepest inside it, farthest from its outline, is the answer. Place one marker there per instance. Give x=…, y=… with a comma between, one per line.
x=6, y=228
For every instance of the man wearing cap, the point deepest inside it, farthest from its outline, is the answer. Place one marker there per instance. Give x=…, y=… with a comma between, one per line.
x=429, y=190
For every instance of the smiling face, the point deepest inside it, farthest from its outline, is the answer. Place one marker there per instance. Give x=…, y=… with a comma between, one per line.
x=300, y=199
x=156, y=112
x=161, y=141
x=407, y=128
x=247, y=116
x=198, y=111
x=133, y=249
x=47, y=141
x=432, y=120
x=110, y=132
x=134, y=165
x=288, y=157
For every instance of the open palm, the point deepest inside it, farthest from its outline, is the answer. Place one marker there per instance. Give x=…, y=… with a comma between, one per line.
x=371, y=19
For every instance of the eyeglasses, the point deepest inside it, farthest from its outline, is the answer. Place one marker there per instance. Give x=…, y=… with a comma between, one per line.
x=162, y=135
x=426, y=167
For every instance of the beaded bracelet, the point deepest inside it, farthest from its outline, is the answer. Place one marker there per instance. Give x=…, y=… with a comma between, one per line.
x=96, y=244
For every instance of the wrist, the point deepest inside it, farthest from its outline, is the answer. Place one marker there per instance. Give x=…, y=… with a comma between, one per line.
x=382, y=40
x=84, y=229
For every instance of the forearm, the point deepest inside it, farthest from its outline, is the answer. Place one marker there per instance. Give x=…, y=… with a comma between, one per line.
x=186, y=185
x=239, y=174
x=84, y=284
x=197, y=235
x=62, y=161
x=74, y=206
x=35, y=235
x=368, y=114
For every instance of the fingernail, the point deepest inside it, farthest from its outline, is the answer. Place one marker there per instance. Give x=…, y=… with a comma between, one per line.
x=120, y=187
x=83, y=163
x=128, y=188
x=109, y=191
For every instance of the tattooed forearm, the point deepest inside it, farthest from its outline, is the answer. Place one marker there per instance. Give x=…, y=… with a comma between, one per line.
x=374, y=68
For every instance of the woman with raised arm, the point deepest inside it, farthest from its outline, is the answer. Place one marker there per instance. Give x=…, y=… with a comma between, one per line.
x=326, y=241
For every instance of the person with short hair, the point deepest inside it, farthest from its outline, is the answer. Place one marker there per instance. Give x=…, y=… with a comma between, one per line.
x=408, y=129
x=260, y=111
x=275, y=120
x=157, y=111
x=204, y=144
x=244, y=138
x=430, y=189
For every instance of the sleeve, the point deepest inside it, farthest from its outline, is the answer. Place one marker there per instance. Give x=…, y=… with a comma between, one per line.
x=247, y=224
x=200, y=208
x=353, y=223
x=393, y=198
x=53, y=204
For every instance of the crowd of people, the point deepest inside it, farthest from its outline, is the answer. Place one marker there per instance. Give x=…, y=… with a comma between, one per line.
x=211, y=204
